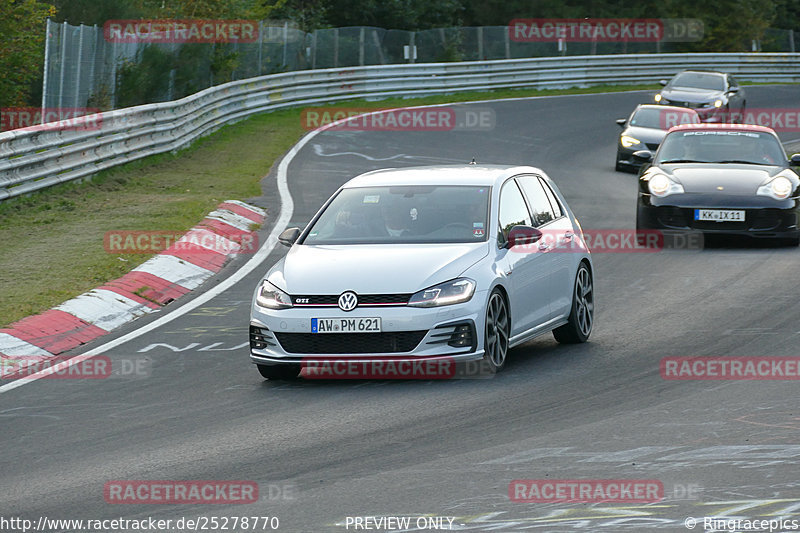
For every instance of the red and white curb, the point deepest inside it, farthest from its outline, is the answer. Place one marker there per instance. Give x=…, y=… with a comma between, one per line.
x=155, y=283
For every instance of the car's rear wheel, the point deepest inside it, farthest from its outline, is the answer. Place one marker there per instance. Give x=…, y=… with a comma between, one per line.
x=581, y=317
x=498, y=329
x=279, y=371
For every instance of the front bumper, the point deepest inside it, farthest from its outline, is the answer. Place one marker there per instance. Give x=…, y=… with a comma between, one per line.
x=407, y=334
x=763, y=222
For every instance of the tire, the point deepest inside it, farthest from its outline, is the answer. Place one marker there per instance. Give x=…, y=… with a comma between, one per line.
x=496, y=332
x=277, y=372
x=581, y=317
x=618, y=167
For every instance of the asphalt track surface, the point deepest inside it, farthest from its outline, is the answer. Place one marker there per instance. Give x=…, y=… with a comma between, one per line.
x=322, y=451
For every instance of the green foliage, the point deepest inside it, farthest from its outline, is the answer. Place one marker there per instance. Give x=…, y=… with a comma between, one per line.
x=22, y=28
x=146, y=80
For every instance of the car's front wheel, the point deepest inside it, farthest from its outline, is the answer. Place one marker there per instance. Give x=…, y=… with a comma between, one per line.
x=581, y=317
x=279, y=371
x=498, y=329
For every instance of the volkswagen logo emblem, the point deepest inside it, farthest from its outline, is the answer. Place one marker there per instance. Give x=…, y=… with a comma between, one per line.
x=348, y=301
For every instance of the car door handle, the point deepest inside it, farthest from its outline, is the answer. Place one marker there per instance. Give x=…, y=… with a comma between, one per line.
x=568, y=235
x=543, y=246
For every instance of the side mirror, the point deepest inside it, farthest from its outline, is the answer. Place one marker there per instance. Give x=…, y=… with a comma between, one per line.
x=795, y=160
x=643, y=155
x=663, y=82
x=521, y=235
x=622, y=122
x=289, y=236
x=733, y=90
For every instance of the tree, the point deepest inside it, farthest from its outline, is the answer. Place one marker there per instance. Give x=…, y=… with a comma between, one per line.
x=22, y=29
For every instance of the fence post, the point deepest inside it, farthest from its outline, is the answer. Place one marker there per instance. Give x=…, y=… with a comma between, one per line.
x=480, y=43
x=285, y=40
x=791, y=40
x=336, y=47
x=361, y=46
x=78, y=71
x=508, y=44
x=113, y=83
x=260, y=45
x=412, y=56
x=63, y=62
x=92, y=85
x=46, y=64
x=314, y=50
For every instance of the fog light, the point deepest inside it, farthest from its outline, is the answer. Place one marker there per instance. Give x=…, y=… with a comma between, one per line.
x=461, y=337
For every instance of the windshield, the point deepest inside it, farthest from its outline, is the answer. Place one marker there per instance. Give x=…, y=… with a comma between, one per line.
x=403, y=215
x=697, y=80
x=662, y=119
x=721, y=147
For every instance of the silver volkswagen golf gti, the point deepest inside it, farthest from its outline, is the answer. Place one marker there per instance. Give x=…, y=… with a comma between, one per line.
x=422, y=264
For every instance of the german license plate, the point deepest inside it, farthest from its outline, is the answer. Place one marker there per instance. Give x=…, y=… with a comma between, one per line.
x=345, y=325
x=719, y=215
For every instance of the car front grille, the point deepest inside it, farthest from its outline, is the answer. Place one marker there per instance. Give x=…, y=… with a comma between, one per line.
x=364, y=300
x=350, y=343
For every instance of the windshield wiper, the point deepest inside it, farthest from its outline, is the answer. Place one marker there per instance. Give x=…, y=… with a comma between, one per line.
x=668, y=161
x=742, y=161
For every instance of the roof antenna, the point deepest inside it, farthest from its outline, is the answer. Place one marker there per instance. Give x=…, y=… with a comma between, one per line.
x=473, y=162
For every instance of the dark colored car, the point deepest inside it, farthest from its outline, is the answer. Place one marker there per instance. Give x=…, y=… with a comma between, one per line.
x=720, y=178
x=645, y=129
x=716, y=96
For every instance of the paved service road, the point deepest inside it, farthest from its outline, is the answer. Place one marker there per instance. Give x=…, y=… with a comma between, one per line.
x=323, y=451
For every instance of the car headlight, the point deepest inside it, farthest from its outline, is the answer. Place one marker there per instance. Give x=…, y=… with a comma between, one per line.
x=717, y=103
x=660, y=185
x=448, y=293
x=272, y=297
x=627, y=141
x=658, y=97
x=780, y=188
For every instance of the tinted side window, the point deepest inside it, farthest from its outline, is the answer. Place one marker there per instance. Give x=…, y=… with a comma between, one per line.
x=541, y=210
x=513, y=211
x=557, y=211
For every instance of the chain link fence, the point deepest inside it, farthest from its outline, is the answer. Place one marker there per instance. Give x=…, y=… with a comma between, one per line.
x=84, y=70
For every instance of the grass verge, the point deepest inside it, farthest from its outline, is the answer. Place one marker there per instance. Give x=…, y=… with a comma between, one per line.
x=51, y=242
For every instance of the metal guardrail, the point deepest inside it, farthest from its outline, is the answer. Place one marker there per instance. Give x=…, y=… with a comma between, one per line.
x=41, y=156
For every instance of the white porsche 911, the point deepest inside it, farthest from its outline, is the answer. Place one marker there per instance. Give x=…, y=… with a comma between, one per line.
x=459, y=262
